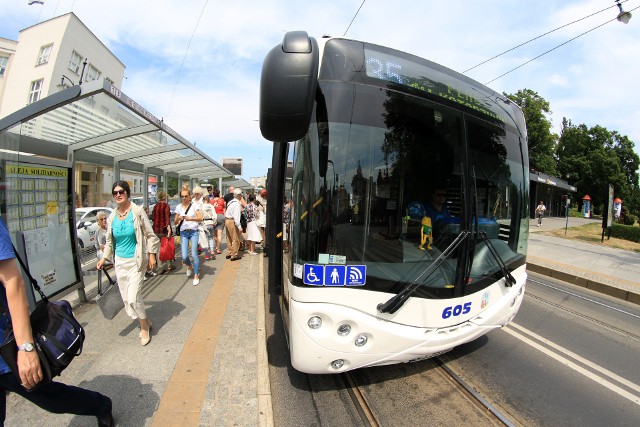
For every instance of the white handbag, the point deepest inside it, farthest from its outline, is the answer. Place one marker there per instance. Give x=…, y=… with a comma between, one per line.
x=203, y=237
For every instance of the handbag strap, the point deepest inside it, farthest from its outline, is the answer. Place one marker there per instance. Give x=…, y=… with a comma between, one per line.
x=180, y=223
x=33, y=281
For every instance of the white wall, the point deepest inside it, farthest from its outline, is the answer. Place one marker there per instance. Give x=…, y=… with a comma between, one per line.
x=67, y=33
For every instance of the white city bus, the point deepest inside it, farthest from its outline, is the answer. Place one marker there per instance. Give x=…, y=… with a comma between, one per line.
x=408, y=203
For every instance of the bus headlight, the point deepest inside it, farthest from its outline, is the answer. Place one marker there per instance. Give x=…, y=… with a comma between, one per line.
x=337, y=364
x=314, y=322
x=361, y=340
x=344, y=330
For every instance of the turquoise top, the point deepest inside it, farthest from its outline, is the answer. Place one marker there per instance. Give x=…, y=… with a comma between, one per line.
x=124, y=235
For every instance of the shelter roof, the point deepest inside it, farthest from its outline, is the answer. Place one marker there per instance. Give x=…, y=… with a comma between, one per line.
x=97, y=123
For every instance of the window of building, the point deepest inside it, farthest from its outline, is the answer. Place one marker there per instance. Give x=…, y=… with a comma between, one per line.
x=92, y=74
x=4, y=61
x=75, y=62
x=45, y=51
x=35, y=90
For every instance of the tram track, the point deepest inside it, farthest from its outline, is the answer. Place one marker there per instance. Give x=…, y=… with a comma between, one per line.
x=368, y=413
x=580, y=315
x=482, y=402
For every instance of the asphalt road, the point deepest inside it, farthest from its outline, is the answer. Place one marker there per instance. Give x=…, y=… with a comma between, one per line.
x=569, y=358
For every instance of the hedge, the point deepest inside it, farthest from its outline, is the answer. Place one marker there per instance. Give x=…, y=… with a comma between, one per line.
x=626, y=232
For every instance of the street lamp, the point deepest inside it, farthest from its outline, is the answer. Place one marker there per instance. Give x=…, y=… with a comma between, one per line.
x=65, y=77
x=623, y=16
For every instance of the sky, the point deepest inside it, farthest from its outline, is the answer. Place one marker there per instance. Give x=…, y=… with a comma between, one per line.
x=197, y=63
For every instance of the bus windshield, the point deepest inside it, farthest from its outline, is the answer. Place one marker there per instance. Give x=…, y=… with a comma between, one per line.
x=387, y=180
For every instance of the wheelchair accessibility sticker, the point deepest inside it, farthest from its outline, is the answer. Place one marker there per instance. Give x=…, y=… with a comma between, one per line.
x=334, y=275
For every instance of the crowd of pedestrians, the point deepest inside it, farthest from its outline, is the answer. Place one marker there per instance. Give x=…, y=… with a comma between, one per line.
x=129, y=241
x=201, y=218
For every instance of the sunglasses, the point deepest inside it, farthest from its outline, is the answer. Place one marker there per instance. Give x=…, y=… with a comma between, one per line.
x=118, y=192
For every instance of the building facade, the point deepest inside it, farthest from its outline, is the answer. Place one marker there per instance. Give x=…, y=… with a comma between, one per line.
x=7, y=52
x=51, y=56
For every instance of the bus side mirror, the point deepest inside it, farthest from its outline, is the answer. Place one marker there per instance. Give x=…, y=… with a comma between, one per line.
x=288, y=87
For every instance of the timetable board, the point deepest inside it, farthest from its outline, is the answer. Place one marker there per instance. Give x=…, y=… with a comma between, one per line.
x=37, y=212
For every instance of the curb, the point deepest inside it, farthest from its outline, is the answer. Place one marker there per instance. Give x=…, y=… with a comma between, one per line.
x=595, y=285
x=265, y=408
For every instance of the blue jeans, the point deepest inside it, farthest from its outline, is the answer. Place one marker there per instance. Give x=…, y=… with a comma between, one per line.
x=56, y=397
x=187, y=236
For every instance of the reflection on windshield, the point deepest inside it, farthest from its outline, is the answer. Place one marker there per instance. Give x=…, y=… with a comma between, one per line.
x=394, y=190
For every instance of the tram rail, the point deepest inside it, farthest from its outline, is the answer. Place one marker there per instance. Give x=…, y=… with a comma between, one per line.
x=583, y=316
x=368, y=415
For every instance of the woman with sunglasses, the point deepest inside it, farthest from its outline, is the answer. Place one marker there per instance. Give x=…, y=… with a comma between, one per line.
x=187, y=219
x=133, y=245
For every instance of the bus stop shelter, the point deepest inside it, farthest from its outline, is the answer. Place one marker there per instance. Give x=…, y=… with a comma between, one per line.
x=43, y=149
x=98, y=124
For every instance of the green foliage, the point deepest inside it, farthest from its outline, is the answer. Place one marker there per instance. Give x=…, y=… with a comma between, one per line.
x=575, y=213
x=627, y=218
x=626, y=232
x=590, y=158
x=542, y=141
x=172, y=186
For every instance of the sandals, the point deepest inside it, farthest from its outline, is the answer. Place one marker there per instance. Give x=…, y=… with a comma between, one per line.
x=163, y=271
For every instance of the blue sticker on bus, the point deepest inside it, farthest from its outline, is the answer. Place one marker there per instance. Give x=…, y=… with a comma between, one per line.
x=313, y=274
x=356, y=275
x=334, y=275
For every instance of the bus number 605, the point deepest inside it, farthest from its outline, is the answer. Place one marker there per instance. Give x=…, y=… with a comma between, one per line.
x=456, y=310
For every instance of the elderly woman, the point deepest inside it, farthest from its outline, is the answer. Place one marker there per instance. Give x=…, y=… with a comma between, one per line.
x=101, y=233
x=133, y=245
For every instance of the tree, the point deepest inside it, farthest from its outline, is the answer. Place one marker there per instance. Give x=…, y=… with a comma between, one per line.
x=592, y=158
x=172, y=186
x=542, y=141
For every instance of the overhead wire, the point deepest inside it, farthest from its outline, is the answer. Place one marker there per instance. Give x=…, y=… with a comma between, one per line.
x=185, y=56
x=354, y=18
x=554, y=48
x=536, y=38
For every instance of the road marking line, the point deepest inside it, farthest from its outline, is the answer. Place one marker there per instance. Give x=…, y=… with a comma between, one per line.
x=600, y=380
x=579, y=358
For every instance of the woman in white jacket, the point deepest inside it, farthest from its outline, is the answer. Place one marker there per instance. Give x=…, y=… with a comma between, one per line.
x=133, y=245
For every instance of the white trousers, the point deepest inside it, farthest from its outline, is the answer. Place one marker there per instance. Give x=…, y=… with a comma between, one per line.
x=130, y=282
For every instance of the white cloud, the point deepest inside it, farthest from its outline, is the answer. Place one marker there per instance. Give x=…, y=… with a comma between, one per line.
x=591, y=80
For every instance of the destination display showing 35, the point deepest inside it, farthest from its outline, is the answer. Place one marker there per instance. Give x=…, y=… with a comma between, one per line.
x=392, y=68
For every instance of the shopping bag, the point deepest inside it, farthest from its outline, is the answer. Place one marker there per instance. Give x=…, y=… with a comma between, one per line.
x=167, y=249
x=203, y=238
x=109, y=299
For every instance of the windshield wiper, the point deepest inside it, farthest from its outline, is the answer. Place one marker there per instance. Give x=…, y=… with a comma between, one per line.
x=508, y=278
x=397, y=301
